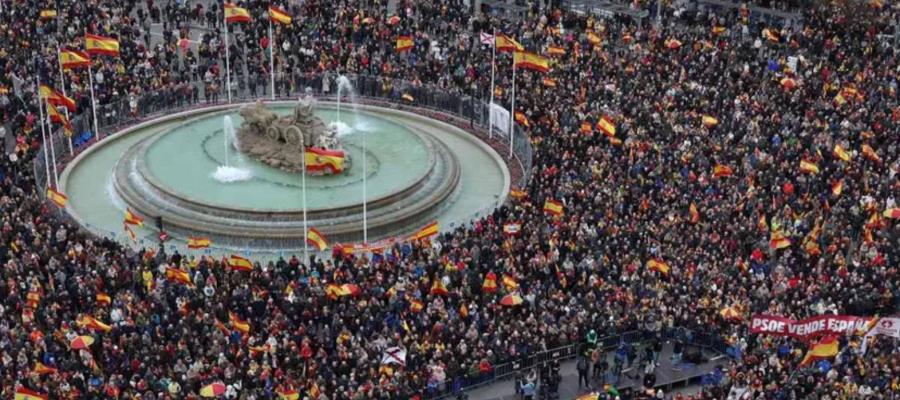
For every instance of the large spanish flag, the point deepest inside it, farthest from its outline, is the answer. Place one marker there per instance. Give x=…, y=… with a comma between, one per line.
x=177, y=275
x=73, y=59
x=132, y=218
x=827, y=347
x=56, y=98
x=606, y=126
x=553, y=207
x=55, y=116
x=426, y=232
x=534, y=62
x=24, y=393
x=506, y=43
x=404, y=43
x=95, y=44
x=778, y=240
x=655, y=264
x=57, y=197
x=321, y=159
x=278, y=15
x=239, y=324
x=317, y=239
x=234, y=13
x=198, y=242
x=239, y=263
x=93, y=324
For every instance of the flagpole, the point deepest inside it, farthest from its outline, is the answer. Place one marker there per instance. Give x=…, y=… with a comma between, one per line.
x=52, y=149
x=93, y=102
x=493, y=68
x=62, y=85
x=365, y=173
x=272, y=78
x=512, y=120
x=43, y=132
x=303, y=186
x=227, y=66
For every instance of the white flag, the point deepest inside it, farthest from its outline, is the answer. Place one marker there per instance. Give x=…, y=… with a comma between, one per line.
x=487, y=38
x=394, y=355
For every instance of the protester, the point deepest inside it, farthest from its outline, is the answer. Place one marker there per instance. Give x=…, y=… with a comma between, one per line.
x=775, y=95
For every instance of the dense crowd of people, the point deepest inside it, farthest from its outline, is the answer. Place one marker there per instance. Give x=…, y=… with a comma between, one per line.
x=778, y=95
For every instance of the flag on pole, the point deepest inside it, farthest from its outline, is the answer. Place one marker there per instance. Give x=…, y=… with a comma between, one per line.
x=317, y=239
x=54, y=97
x=506, y=43
x=234, y=13
x=655, y=264
x=57, y=197
x=534, y=62
x=839, y=152
x=808, y=167
x=607, y=126
x=41, y=369
x=426, y=232
x=58, y=118
x=93, y=324
x=73, y=59
x=132, y=218
x=280, y=16
x=827, y=347
x=198, y=243
x=553, y=207
x=239, y=263
x=778, y=240
x=404, y=43
x=95, y=44
x=177, y=275
x=238, y=323
x=489, y=285
x=556, y=51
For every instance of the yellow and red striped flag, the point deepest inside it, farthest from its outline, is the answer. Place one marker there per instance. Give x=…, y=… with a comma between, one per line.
x=506, y=43
x=24, y=393
x=870, y=153
x=722, y=170
x=426, y=232
x=103, y=298
x=234, y=13
x=56, y=98
x=41, y=369
x=709, y=121
x=509, y=283
x=404, y=43
x=522, y=119
x=517, y=194
x=808, y=167
x=839, y=152
x=695, y=215
x=239, y=263
x=57, y=197
x=489, y=285
x=177, y=275
x=892, y=213
x=96, y=44
x=238, y=324
x=778, y=241
x=827, y=347
x=586, y=128
x=317, y=239
x=555, y=51
x=553, y=207
x=132, y=218
x=607, y=126
x=528, y=60
x=280, y=16
x=93, y=324
x=58, y=118
x=718, y=30
x=837, y=187
x=48, y=13
x=438, y=288
x=73, y=59
x=655, y=264
x=198, y=243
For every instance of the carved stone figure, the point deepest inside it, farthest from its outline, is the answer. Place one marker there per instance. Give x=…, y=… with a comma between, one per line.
x=279, y=140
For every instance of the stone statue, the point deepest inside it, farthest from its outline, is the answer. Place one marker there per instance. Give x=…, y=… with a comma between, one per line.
x=264, y=134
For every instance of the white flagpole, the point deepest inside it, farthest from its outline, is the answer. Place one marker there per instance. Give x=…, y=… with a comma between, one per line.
x=62, y=86
x=93, y=101
x=227, y=66
x=272, y=76
x=43, y=132
x=52, y=149
x=365, y=173
x=303, y=186
x=512, y=120
x=493, y=68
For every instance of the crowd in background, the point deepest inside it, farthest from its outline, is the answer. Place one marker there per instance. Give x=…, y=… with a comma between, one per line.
x=624, y=203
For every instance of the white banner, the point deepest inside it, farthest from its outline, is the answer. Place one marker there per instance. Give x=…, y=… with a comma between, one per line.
x=500, y=119
x=887, y=327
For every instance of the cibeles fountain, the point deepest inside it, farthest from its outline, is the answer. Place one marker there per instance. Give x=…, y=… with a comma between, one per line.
x=403, y=168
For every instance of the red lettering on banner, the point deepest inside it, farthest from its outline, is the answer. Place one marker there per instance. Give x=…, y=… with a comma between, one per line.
x=809, y=327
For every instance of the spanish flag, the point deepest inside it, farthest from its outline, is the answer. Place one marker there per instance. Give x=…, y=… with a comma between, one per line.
x=553, y=207
x=826, y=347
x=234, y=13
x=103, y=298
x=892, y=213
x=837, y=187
x=278, y=15
x=869, y=153
x=238, y=324
x=415, y=305
x=318, y=159
x=55, y=116
x=95, y=44
x=404, y=43
x=808, y=167
x=438, y=288
x=24, y=393
x=586, y=128
x=517, y=194
x=93, y=324
x=73, y=59
x=490, y=283
x=778, y=241
x=555, y=51
x=709, y=121
x=426, y=232
x=510, y=283
x=48, y=13
x=133, y=219
x=288, y=394
x=317, y=239
x=522, y=119
x=548, y=82
x=534, y=62
x=41, y=369
x=593, y=38
x=655, y=264
x=722, y=170
x=839, y=152
x=239, y=263
x=695, y=215
x=56, y=98
x=198, y=243
x=177, y=275
x=718, y=30
x=57, y=197
x=607, y=126
x=506, y=43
